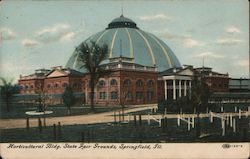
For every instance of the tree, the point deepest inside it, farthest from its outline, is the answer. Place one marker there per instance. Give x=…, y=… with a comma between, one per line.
x=7, y=90
x=91, y=56
x=68, y=98
x=199, y=97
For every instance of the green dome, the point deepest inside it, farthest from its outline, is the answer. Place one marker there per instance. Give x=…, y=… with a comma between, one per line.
x=124, y=38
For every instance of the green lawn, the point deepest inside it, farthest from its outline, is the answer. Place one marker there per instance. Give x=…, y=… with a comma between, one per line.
x=126, y=133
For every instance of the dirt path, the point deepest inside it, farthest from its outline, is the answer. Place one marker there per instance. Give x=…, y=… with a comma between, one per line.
x=69, y=120
x=93, y=118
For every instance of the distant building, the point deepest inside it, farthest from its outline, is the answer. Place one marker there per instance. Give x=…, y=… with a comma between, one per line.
x=217, y=82
x=32, y=83
x=175, y=83
x=239, y=85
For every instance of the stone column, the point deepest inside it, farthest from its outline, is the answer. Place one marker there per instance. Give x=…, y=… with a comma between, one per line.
x=174, y=90
x=108, y=84
x=166, y=89
x=190, y=85
x=185, y=88
x=179, y=88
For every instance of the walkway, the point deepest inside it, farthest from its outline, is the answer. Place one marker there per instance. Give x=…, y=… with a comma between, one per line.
x=91, y=118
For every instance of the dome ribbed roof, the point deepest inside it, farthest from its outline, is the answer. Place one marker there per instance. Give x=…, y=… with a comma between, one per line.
x=124, y=38
x=122, y=22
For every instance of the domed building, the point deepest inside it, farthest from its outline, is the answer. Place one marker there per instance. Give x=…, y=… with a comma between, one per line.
x=143, y=70
x=136, y=59
x=125, y=39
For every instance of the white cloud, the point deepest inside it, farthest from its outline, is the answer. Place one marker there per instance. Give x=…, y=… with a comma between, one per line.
x=155, y=17
x=166, y=34
x=54, y=29
x=55, y=33
x=190, y=43
x=68, y=36
x=241, y=63
x=232, y=29
x=29, y=42
x=10, y=70
x=209, y=54
x=228, y=41
x=7, y=34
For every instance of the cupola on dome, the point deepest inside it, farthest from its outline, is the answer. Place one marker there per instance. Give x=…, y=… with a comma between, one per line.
x=125, y=39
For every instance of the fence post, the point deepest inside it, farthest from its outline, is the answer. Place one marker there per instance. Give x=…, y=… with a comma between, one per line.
x=207, y=110
x=148, y=119
x=40, y=125
x=115, y=117
x=135, y=120
x=234, y=125
x=119, y=116
x=227, y=119
x=128, y=118
x=189, y=124
x=231, y=120
x=123, y=113
x=211, y=116
x=178, y=120
x=239, y=113
x=235, y=109
x=223, y=126
x=193, y=122
x=221, y=109
x=160, y=122
x=166, y=122
x=246, y=114
x=140, y=122
x=27, y=123
x=59, y=130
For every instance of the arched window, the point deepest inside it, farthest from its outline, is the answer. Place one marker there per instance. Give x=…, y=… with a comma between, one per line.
x=31, y=86
x=65, y=85
x=21, y=87
x=150, y=83
x=113, y=82
x=48, y=85
x=55, y=85
x=127, y=82
x=139, y=83
x=101, y=83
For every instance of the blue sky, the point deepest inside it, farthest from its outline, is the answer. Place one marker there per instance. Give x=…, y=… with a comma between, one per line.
x=42, y=34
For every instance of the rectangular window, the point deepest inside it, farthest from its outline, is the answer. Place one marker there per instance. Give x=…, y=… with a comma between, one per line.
x=150, y=95
x=114, y=95
x=102, y=95
x=139, y=95
x=128, y=95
